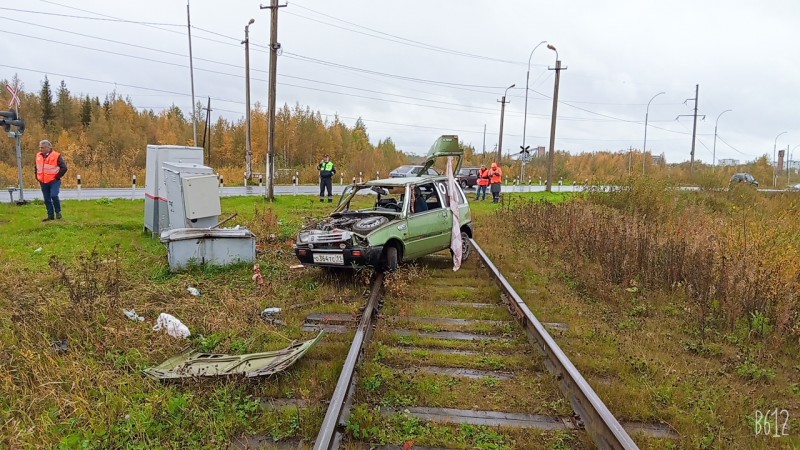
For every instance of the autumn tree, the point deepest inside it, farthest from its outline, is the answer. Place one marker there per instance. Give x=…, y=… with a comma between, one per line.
x=64, y=110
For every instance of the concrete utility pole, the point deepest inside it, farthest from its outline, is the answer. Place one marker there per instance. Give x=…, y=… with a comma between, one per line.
x=694, y=126
x=248, y=156
x=524, y=147
x=207, y=130
x=191, y=71
x=484, y=140
x=552, y=153
x=502, y=114
x=273, y=70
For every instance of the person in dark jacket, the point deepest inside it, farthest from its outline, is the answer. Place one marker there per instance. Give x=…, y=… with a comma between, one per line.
x=49, y=169
x=326, y=172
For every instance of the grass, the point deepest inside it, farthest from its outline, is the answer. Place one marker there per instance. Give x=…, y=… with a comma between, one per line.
x=97, y=261
x=655, y=351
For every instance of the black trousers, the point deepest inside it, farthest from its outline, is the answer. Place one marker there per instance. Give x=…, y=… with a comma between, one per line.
x=325, y=183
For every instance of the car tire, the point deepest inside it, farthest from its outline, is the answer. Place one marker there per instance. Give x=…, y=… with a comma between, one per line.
x=390, y=260
x=368, y=224
x=463, y=184
x=466, y=247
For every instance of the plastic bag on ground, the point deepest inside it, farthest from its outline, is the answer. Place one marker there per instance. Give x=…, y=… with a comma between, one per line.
x=174, y=327
x=131, y=314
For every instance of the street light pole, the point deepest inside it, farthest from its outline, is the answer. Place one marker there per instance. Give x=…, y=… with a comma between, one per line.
x=502, y=113
x=551, y=153
x=714, y=153
x=525, y=119
x=774, y=162
x=248, y=141
x=646, y=116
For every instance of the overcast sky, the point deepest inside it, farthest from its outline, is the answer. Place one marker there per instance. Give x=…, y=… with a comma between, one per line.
x=414, y=70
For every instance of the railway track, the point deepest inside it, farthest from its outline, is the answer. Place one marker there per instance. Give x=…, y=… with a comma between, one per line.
x=442, y=359
x=460, y=360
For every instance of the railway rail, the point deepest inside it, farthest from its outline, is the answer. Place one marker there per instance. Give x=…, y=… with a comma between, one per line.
x=589, y=417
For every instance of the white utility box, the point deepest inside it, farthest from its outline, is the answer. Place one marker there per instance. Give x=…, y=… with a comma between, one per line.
x=204, y=246
x=192, y=195
x=156, y=215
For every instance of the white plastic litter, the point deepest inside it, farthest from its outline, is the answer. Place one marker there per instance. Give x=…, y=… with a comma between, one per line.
x=174, y=327
x=131, y=314
x=194, y=291
x=270, y=311
x=37, y=250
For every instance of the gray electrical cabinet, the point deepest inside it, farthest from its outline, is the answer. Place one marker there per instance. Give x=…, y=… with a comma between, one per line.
x=156, y=214
x=192, y=195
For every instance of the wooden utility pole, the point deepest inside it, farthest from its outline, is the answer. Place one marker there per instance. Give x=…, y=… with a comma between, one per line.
x=551, y=154
x=274, y=46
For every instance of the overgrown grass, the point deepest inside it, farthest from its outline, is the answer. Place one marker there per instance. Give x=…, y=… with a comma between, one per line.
x=681, y=306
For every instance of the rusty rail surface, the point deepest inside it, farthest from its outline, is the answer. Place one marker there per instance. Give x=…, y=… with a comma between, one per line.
x=330, y=434
x=602, y=426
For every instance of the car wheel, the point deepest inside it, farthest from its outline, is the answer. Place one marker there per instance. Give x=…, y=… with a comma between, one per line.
x=368, y=224
x=390, y=259
x=463, y=184
x=466, y=247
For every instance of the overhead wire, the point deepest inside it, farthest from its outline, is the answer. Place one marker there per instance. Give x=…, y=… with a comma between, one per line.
x=342, y=66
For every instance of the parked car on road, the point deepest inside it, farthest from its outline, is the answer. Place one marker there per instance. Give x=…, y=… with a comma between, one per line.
x=412, y=171
x=381, y=223
x=468, y=177
x=744, y=178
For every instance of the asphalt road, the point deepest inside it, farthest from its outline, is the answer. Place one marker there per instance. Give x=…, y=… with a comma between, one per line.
x=235, y=191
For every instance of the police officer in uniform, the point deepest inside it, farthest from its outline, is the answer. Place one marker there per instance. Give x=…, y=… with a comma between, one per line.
x=326, y=172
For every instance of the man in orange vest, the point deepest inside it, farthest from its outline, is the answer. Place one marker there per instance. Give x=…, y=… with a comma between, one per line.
x=483, y=182
x=50, y=167
x=495, y=178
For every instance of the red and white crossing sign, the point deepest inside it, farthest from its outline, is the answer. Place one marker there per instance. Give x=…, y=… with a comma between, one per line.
x=14, y=96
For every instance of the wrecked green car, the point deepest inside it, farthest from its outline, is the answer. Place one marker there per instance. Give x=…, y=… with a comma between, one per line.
x=382, y=223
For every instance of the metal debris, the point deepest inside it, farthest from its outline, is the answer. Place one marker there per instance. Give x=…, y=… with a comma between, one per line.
x=192, y=363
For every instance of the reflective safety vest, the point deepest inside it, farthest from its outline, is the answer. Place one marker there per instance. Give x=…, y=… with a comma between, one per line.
x=47, y=168
x=483, y=177
x=496, y=176
x=326, y=169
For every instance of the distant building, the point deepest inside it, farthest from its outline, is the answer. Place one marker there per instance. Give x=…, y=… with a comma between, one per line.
x=727, y=162
x=794, y=165
x=658, y=159
x=539, y=152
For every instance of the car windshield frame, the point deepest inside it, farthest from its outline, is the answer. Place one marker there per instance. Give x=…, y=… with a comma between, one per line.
x=396, y=192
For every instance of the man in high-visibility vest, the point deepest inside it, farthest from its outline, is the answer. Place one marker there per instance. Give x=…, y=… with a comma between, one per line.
x=326, y=172
x=483, y=182
x=50, y=167
x=495, y=179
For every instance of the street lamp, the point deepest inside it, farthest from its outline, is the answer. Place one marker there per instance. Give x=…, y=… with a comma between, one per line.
x=525, y=119
x=774, y=162
x=646, y=116
x=502, y=114
x=248, y=145
x=714, y=153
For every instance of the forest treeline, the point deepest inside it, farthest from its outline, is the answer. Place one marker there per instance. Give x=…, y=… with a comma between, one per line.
x=105, y=139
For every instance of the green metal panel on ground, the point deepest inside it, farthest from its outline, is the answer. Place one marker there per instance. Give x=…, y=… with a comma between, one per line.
x=192, y=363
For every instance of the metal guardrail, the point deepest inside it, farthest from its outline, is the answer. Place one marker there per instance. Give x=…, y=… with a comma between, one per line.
x=602, y=426
x=330, y=433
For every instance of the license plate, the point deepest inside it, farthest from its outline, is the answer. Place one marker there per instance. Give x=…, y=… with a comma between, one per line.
x=329, y=258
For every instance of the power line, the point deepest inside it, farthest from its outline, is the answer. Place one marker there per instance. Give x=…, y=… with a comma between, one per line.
x=399, y=40
x=90, y=18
